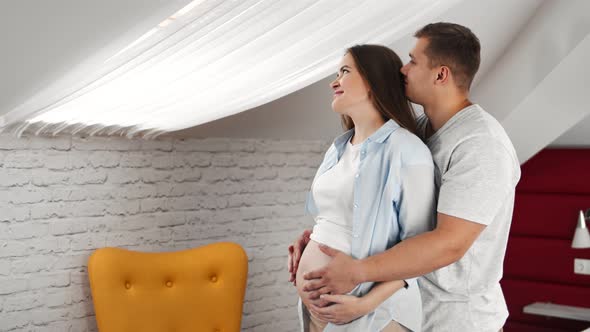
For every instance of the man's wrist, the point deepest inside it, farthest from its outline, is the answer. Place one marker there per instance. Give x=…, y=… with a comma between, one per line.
x=360, y=274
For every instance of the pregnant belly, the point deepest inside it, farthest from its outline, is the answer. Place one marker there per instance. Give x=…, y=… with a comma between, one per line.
x=311, y=259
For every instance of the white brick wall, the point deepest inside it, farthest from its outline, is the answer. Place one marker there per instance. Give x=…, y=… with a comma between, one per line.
x=61, y=198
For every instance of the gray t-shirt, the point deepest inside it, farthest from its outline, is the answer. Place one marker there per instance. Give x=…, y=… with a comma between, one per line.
x=476, y=173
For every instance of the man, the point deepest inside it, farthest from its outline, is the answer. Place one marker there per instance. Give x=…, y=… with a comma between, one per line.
x=476, y=174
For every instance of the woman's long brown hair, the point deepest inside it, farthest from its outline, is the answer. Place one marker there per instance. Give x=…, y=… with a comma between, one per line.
x=380, y=67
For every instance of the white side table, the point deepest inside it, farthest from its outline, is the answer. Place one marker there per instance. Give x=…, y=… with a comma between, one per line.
x=558, y=310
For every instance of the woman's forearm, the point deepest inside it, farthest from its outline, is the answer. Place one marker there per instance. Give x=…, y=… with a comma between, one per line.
x=379, y=293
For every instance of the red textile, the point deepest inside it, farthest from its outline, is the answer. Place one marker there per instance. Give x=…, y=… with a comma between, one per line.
x=539, y=261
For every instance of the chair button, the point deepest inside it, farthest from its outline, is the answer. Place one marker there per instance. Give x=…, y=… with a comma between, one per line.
x=127, y=285
x=213, y=278
x=168, y=283
x=216, y=330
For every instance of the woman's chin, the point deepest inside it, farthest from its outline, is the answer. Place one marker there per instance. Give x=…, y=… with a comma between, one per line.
x=337, y=109
x=337, y=105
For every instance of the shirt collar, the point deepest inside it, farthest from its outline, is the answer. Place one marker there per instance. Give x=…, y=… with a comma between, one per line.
x=378, y=137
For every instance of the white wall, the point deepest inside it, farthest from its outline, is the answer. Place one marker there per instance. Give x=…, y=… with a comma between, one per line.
x=577, y=136
x=62, y=198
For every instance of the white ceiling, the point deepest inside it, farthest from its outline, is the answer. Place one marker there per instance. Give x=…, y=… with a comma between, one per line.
x=42, y=40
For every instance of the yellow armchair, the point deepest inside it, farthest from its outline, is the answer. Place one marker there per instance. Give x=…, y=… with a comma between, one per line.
x=200, y=289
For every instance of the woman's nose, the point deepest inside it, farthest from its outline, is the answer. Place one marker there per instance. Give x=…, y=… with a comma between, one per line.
x=335, y=84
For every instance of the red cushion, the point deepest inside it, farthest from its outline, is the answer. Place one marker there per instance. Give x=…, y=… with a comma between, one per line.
x=547, y=215
x=545, y=260
x=557, y=171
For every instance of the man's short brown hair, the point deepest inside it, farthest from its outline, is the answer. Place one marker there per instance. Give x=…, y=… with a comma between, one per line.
x=454, y=46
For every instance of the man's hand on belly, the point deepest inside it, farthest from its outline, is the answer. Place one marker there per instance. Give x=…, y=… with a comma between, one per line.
x=338, y=277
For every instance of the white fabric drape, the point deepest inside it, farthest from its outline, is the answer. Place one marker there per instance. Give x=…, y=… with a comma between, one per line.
x=220, y=58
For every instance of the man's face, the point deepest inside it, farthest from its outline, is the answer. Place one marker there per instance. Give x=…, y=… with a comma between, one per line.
x=419, y=77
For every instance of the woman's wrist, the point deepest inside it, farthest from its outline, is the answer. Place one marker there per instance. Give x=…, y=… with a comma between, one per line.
x=367, y=304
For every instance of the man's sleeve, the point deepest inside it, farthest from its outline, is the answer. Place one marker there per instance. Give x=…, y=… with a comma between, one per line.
x=479, y=177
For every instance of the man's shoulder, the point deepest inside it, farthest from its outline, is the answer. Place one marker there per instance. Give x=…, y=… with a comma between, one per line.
x=477, y=119
x=479, y=128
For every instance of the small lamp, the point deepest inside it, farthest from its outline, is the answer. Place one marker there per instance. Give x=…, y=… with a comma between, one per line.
x=581, y=236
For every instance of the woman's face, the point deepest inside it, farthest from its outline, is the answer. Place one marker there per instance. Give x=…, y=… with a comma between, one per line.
x=350, y=89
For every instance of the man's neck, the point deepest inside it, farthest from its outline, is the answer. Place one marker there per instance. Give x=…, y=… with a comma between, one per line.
x=438, y=115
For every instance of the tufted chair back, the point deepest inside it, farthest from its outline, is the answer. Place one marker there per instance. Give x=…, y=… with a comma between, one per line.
x=200, y=289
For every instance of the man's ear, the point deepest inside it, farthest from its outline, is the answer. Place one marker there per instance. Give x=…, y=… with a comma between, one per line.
x=443, y=74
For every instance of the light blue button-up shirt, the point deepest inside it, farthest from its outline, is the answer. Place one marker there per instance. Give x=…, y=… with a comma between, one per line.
x=394, y=199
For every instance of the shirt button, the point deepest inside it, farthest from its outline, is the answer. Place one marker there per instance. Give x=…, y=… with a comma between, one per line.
x=356, y=206
x=355, y=236
x=356, y=175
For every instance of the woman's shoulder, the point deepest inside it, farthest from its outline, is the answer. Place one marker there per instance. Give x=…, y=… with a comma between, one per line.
x=409, y=148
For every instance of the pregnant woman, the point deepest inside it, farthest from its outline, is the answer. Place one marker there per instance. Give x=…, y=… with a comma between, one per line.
x=374, y=188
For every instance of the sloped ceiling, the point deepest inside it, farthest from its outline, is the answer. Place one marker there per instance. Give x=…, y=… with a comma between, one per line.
x=538, y=87
x=39, y=44
x=306, y=114
x=215, y=59
x=528, y=48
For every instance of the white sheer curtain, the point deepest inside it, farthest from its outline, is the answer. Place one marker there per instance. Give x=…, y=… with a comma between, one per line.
x=216, y=58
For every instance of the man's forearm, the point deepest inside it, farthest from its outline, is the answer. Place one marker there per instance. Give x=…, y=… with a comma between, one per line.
x=410, y=258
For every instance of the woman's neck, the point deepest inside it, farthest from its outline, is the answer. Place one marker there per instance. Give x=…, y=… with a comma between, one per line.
x=363, y=128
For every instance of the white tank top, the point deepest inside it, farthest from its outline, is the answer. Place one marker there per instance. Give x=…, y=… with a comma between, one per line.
x=333, y=197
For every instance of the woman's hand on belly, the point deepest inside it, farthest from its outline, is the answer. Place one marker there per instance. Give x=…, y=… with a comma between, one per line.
x=309, y=302
x=342, y=310
x=295, y=252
